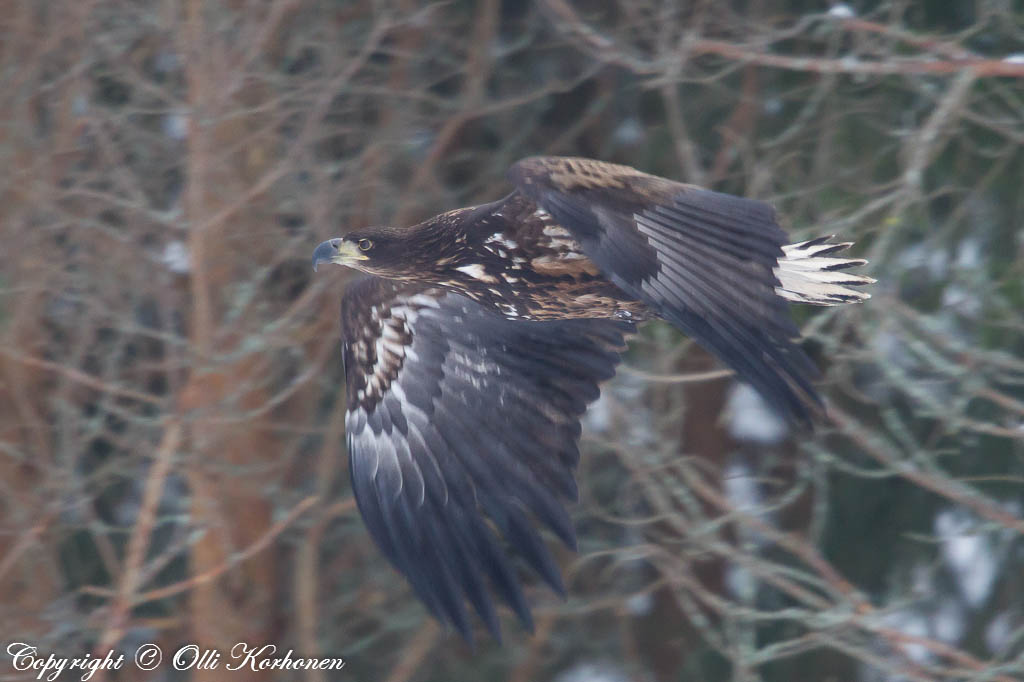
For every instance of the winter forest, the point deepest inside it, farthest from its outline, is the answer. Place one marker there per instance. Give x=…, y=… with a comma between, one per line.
x=173, y=465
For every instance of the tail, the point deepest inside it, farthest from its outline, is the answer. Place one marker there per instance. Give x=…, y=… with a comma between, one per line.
x=806, y=276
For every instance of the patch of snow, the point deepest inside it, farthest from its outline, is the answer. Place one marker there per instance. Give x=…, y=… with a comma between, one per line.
x=998, y=632
x=944, y=622
x=968, y=255
x=948, y=622
x=740, y=487
x=938, y=263
x=1017, y=58
x=126, y=511
x=891, y=348
x=79, y=105
x=598, y=417
x=592, y=672
x=772, y=106
x=640, y=604
x=741, y=583
x=419, y=141
x=1012, y=507
x=750, y=418
x=969, y=555
x=962, y=299
x=910, y=623
x=922, y=581
x=639, y=428
x=166, y=61
x=176, y=258
x=841, y=11
x=628, y=132
x=633, y=425
x=175, y=126
x=929, y=256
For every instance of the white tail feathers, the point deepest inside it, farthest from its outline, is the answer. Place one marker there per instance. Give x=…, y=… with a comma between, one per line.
x=807, y=275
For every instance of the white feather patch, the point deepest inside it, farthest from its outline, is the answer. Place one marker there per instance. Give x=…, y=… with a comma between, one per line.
x=806, y=277
x=477, y=271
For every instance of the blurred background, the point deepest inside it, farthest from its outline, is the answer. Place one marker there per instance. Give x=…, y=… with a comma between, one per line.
x=172, y=459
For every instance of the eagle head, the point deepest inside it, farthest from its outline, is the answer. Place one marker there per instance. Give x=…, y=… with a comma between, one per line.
x=378, y=251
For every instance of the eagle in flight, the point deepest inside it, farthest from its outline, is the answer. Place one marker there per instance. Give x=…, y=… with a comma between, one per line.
x=477, y=339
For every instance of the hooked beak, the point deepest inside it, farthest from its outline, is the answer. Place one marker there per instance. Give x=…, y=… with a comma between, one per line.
x=337, y=251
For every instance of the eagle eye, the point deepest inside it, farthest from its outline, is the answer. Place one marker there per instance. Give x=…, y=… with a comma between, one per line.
x=365, y=244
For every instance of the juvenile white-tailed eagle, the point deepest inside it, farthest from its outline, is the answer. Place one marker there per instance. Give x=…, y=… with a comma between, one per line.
x=480, y=336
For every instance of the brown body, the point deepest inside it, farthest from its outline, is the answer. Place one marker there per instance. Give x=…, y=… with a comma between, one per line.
x=511, y=256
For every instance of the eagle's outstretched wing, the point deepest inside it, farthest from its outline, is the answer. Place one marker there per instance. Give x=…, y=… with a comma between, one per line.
x=460, y=422
x=703, y=261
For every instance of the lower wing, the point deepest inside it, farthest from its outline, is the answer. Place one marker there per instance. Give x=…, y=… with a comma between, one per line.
x=461, y=423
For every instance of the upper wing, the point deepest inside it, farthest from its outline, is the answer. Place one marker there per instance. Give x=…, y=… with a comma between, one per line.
x=455, y=413
x=703, y=260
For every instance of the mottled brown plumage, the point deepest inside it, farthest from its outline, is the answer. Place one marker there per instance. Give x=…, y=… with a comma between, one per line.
x=509, y=255
x=482, y=334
